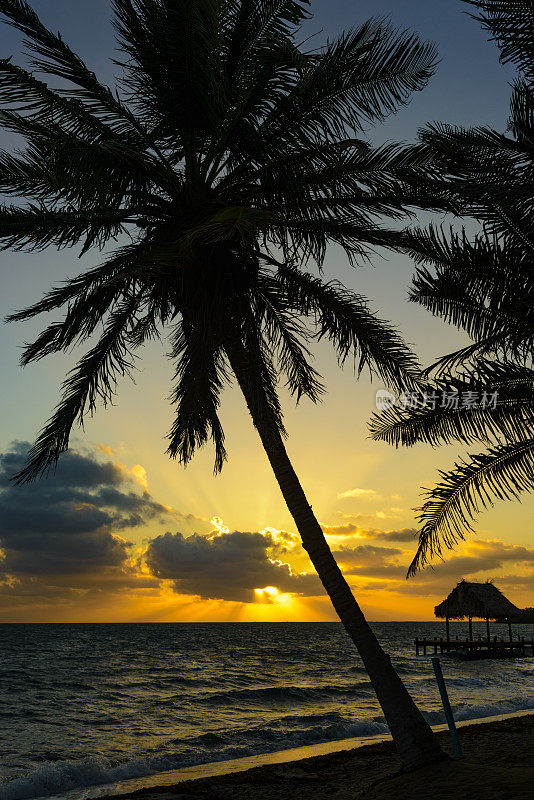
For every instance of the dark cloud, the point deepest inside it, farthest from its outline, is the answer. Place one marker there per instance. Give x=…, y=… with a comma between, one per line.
x=228, y=566
x=80, y=554
x=67, y=523
x=350, y=529
x=379, y=570
x=73, y=469
x=402, y=535
x=366, y=555
x=483, y=558
x=64, y=535
x=516, y=581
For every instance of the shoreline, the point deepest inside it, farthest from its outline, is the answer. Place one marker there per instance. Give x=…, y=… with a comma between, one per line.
x=497, y=764
x=288, y=759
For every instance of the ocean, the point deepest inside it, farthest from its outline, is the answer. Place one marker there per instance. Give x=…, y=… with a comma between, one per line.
x=83, y=705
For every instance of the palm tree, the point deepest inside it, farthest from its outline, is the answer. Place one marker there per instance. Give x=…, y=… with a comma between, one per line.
x=231, y=157
x=485, y=287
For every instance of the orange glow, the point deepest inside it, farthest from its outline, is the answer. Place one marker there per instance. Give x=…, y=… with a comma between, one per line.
x=372, y=555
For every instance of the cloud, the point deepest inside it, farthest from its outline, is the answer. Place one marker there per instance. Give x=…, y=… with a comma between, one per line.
x=69, y=522
x=366, y=555
x=82, y=553
x=483, y=555
x=357, y=493
x=69, y=536
x=342, y=531
x=73, y=469
x=401, y=535
x=371, y=561
x=479, y=560
x=227, y=566
x=516, y=581
x=352, y=529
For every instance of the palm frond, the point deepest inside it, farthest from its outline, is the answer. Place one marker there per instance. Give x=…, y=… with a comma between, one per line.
x=80, y=322
x=23, y=92
x=186, y=38
x=364, y=75
x=484, y=287
x=27, y=176
x=521, y=122
x=345, y=319
x=467, y=416
x=56, y=58
x=510, y=25
x=502, y=473
x=289, y=339
x=36, y=228
x=505, y=328
x=94, y=378
x=125, y=264
x=199, y=378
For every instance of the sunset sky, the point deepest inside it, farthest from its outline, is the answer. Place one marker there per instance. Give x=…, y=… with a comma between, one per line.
x=123, y=534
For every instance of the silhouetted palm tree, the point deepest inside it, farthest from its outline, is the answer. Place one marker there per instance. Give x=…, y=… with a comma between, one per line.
x=485, y=287
x=231, y=159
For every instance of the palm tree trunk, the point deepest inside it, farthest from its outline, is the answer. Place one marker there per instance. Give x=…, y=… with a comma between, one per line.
x=413, y=737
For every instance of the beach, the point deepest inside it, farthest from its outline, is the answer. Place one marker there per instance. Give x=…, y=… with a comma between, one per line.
x=498, y=763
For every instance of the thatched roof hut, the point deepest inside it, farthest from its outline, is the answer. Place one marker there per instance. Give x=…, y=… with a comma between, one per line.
x=481, y=600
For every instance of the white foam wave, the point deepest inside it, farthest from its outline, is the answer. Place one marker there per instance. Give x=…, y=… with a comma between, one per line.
x=497, y=708
x=64, y=776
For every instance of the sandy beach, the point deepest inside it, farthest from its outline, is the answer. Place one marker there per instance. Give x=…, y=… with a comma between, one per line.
x=498, y=763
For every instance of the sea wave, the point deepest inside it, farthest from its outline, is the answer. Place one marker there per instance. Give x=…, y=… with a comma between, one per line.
x=64, y=776
x=293, y=730
x=282, y=694
x=465, y=711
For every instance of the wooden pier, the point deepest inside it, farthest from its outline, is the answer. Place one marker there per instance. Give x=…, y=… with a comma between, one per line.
x=477, y=648
x=470, y=601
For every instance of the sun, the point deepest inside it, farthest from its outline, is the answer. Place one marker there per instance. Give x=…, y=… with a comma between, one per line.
x=270, y=594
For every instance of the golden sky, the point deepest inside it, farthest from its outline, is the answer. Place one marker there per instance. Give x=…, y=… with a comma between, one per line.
x=132, y=538
x=104, y=540
x=82, y=556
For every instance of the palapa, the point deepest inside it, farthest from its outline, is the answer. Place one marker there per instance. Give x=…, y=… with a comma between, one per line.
x=481, y=600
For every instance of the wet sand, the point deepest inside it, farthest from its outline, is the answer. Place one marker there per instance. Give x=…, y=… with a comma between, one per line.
x=498, y=764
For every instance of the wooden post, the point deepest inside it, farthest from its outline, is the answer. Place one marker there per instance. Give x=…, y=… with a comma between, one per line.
x=447, y=707
x=470, y=628
x=510, y=629
x=447, y=628
x=488, y=630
